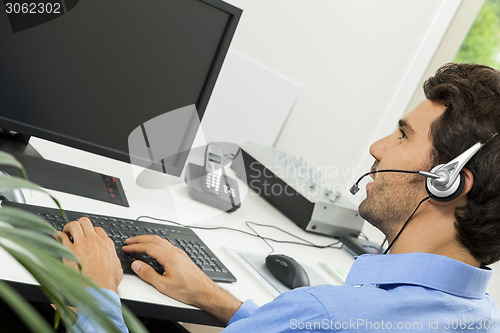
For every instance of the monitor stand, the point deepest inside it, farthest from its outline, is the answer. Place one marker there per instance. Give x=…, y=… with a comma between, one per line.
x=58, y=176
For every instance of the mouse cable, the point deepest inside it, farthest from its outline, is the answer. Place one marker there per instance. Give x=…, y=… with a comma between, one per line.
x=334, y=245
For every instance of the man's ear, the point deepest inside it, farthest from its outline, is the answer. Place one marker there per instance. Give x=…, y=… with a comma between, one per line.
x=468, y=182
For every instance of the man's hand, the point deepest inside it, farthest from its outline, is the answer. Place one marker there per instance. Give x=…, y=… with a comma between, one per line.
x=95, y=251
x=182, y=279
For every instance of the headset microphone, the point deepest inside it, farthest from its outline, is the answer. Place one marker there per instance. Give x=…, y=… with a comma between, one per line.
x=444, y=182
x=354, y=188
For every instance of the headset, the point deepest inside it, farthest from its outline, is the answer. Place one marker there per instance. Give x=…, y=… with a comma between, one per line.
x=445, y=182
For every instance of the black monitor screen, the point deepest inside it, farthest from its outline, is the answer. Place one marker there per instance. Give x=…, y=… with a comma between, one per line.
x=90, y=76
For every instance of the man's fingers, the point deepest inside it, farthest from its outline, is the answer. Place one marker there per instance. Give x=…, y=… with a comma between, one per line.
x=100, y=231
x=65, y=239
x=154, y=251
x=154, y=239
x=67, y=242
x=74, y=229
x=87, y=226
x=148, y=274
x=80, y=228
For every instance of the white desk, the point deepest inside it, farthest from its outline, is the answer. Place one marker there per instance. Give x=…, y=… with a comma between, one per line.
x=172, y=202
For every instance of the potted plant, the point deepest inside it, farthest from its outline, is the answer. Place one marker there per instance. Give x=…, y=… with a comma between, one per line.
x=21, y=236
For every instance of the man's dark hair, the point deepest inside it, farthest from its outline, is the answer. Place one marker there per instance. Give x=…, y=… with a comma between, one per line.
x=471, y=95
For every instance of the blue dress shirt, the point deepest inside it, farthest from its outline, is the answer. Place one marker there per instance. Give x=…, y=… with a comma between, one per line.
x=414, y=292
x=110, y=306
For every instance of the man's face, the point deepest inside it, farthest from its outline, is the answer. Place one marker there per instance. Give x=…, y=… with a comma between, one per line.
x=392, y=197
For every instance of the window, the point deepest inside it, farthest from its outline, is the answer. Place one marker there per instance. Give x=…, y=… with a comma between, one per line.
x=482, y=44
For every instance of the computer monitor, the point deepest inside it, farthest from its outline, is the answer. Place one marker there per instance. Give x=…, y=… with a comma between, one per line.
x=88, y=76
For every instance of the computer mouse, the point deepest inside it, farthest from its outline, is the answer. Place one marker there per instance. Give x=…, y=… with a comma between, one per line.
x=287, y=270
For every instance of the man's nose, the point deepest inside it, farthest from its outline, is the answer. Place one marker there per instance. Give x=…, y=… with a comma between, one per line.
x=377, y=149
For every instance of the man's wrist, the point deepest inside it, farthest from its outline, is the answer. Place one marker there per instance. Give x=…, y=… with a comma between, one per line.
x=105, y=282
x=219, y=302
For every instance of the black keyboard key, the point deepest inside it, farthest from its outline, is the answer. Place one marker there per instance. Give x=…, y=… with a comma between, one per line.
x=206, y=267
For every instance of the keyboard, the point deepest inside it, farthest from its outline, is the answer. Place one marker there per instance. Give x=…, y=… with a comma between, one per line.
x=119, y=229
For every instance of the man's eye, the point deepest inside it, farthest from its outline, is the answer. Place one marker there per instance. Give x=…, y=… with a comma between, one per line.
x=403, y=135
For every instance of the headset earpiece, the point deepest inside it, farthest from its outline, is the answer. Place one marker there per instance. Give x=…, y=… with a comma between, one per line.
x=451, y=180
x=445, y=194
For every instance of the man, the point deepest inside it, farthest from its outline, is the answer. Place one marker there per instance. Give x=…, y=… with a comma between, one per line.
x=435, y=278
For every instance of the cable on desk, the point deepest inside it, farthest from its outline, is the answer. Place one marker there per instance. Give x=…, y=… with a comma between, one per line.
x=305, y=241
x=334, y=245
x=256, y=233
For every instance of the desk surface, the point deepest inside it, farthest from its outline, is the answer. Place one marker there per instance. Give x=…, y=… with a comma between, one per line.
x=171, y=201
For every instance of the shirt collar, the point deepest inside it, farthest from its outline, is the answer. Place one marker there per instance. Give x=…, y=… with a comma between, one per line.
x=423, y=269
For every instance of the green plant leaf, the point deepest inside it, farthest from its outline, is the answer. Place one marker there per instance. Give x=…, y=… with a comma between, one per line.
x=59, y=281
x=24, y=237
x=62, y=285
x=10, y=183
x=131, y=321
x=26, y=220
x=35, y=251
x=30, y=316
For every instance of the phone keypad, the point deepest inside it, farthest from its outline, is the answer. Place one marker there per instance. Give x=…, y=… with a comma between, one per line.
x=213, y=181
x=229, y=191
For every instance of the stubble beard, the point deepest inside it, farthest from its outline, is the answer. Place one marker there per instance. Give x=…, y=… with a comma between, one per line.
x=388, y=205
